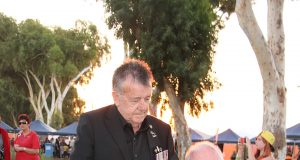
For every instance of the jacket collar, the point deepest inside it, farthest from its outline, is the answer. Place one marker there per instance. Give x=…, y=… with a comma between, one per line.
x=115, y=127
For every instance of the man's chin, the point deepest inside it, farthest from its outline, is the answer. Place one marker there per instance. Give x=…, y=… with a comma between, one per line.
x=139, y=119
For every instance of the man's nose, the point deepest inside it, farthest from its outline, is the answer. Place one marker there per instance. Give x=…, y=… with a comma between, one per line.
x=144, y=104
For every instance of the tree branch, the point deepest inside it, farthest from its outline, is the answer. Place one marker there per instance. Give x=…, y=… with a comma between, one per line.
x=71, y=82
x=30, y=90
x=248, y=23
x=276, y=41
x=42, y=91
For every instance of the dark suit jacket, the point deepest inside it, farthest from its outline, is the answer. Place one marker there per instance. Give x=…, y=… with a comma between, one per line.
x=101, y=136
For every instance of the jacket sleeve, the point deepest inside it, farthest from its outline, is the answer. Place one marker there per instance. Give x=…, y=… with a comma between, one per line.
x=84, y=144
x=6, y=144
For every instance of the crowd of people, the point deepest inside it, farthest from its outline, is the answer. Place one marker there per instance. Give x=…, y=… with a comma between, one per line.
x=61, y=146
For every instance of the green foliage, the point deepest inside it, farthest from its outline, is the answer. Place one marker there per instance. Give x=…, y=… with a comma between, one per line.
x=56, y=52
x=226, y=6
x=11, y=101
x=70, y=68
x=35, y=40
x=81, y=47
x=57, y=120
x=176, y=38
x=56, y=59
x=73, y=107
x=8, y=36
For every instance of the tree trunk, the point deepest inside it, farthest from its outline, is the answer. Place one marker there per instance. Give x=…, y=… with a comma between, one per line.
x=44, y=96
x=271, y=60
x=154, y=102
x=126, y=50
x=39, y=101
x=50, y=112
x=61, y=95
x=34, y=99
x=183, y=138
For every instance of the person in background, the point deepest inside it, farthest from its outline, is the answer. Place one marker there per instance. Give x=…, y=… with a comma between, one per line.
x=295, y=155
x=27, y=143
x=52, y=141
x=57, y=148
x=4, y=144
x=204, y=151
x=64, y=148
x=264, y=143
x=62, y=143
x=72, y=143
x=44, y=144
x=124, y=131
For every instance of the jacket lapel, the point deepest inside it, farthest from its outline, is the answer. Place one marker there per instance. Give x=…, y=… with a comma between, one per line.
x=114, y=127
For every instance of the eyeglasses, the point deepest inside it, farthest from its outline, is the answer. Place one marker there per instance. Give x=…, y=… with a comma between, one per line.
x=22, y=122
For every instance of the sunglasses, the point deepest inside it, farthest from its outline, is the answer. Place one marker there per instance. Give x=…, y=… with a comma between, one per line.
x=24, y=122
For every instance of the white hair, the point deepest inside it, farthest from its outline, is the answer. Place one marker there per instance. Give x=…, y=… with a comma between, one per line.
x=203, y=151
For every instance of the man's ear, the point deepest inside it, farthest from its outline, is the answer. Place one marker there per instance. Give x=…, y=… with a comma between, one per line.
x=116, y=97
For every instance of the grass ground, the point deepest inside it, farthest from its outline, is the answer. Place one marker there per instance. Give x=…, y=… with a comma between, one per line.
x=42, y=156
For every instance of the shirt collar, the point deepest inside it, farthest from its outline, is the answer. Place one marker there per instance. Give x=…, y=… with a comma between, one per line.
x=124, y=123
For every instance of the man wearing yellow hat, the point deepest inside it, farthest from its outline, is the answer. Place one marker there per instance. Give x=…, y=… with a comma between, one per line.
x=264, y=143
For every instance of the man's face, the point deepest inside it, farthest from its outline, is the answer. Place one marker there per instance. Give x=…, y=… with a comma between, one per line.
x=133, y=102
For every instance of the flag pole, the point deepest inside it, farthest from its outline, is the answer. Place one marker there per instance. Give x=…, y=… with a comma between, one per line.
x=216, y=137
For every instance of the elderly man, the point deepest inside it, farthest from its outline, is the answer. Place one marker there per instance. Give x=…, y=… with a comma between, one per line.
x=124, y=131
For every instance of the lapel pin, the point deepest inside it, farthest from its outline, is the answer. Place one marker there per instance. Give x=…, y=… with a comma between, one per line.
x=153, y=134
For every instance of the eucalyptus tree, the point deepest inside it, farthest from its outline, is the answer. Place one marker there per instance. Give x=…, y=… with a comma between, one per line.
x=34, y=41
x=177, y=39
x=48, y=62
x=12, y=101
x=12, y=98
x=82, y=50
x=270, y=55
x=69, y=58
